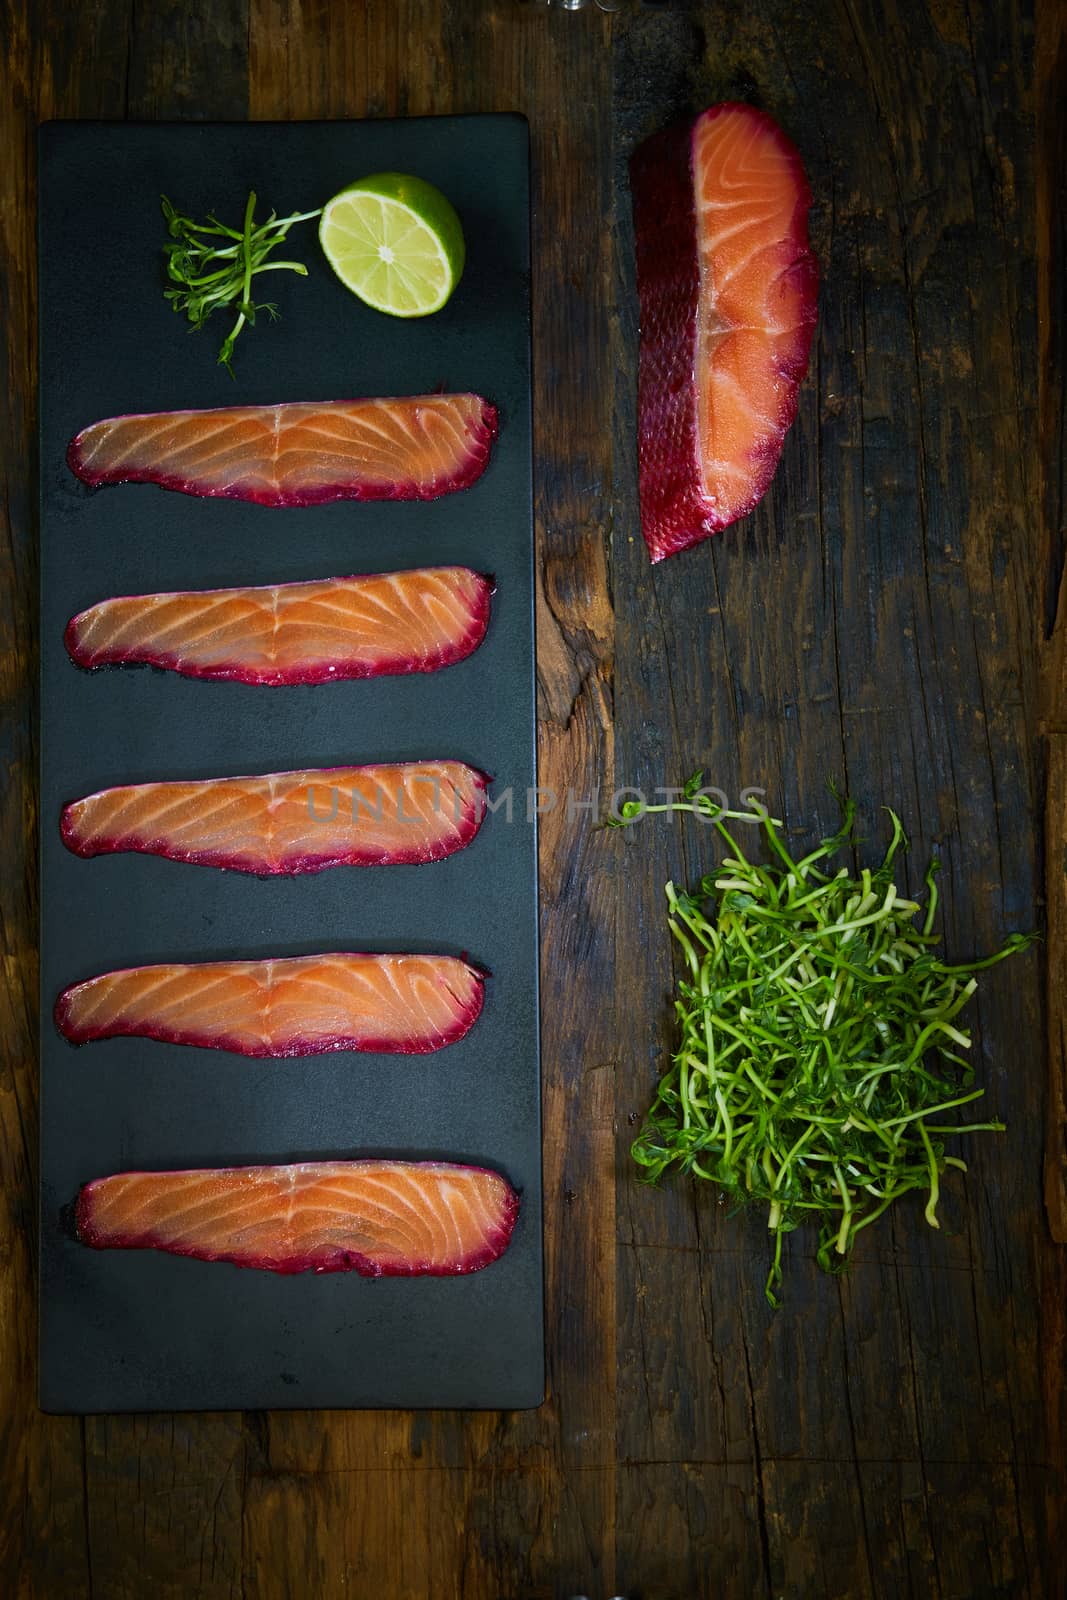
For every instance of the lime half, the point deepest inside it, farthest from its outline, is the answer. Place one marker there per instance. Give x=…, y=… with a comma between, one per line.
x=395, y=241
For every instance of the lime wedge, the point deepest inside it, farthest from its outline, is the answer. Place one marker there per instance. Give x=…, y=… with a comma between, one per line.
x=395, y=241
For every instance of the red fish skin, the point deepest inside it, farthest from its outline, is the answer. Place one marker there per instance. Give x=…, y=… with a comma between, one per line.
x=294, y=1044
x=322, y=1259
x=385, y=663
x=674, y=511
x=668, y=284
x=467, y=471
x=464, y=813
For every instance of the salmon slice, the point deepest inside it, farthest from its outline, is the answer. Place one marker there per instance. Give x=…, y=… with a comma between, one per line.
x=297, y=1006
x=728, y=290
x=334, y=628
x=298, y=454
x=289, y=822
x=379, y=1218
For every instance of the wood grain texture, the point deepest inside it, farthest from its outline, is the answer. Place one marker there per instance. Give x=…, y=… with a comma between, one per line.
x=1052, y=414
x=877, y=622
x=887, y=618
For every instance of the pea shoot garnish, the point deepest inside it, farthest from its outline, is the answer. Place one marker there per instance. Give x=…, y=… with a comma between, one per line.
x=213, y=266
x=819, y=1065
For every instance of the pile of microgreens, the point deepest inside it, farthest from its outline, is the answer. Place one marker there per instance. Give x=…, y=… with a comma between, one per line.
x=211, y=276
x=820, y=1049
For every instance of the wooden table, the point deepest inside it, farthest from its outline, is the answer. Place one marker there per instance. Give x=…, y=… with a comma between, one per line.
x=885, y=618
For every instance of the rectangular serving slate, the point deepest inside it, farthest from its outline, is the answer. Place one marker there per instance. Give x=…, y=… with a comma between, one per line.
x=139, y=1330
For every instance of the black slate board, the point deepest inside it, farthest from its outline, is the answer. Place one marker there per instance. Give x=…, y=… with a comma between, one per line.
x=137, y=1330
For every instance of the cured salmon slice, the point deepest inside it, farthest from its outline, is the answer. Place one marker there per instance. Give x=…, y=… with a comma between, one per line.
x=728, y=290
x=289, y=822
x=379, y=1218
x=334, y=628
x=297, y=454
x=297, y=1006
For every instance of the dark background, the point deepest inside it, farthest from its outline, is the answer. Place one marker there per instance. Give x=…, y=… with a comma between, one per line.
x=885, y=618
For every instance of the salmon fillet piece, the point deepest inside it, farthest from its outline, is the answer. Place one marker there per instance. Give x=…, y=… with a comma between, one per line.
x=293, y=1006
x=728, y=290
x=333, y=628
x=378, y=1218
x=302, y=453
x=289, y=822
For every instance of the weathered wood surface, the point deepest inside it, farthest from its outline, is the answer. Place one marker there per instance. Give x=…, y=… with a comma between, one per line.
x=883, y=619
x=1052, y=333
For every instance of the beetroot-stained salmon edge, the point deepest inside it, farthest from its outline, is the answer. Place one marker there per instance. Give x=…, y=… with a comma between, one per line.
x=661, y=176
x=295, y=867
x=338, y=1261
x=469, y=823
x=284, y=677
x=661, y=186
x=297, y=1047
x=281, y=678
x=79, y=1213
x=467, y=472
